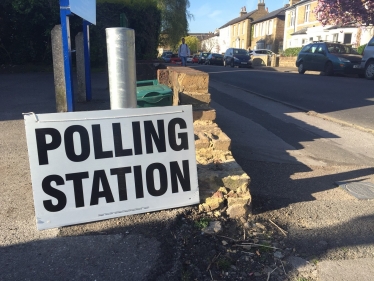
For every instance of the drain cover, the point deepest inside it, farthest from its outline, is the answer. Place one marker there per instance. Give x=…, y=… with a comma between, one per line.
x=360, y=190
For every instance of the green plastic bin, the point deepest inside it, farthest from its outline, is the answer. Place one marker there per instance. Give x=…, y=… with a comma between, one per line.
x=151, y=94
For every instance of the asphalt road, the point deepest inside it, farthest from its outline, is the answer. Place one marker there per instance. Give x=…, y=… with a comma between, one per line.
x=350, y=99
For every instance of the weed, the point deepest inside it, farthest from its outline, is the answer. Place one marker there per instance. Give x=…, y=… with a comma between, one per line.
x=265, y=248
x=223, y=264
x=201, y=223
x=186, y=276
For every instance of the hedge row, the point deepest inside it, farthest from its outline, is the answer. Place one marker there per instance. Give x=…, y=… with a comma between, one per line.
x=25, y=29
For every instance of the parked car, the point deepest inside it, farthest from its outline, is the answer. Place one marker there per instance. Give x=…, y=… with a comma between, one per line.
x=202, y=58
x=237, y=57
x=166, y=58
x=164, y=53
x=195, y=59
x=261, y=52
x=175, y=59
x=367, y=63
x=189, y=59
x=214, y=59
x=330, y=58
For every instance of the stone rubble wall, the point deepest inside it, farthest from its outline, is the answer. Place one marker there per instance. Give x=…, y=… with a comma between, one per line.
x=223, y=185
x=287, y=61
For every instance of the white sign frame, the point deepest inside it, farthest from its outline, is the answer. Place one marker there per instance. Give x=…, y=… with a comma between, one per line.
x=81, y=169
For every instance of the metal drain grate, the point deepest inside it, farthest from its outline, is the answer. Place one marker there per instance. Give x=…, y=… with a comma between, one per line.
x=360, y=190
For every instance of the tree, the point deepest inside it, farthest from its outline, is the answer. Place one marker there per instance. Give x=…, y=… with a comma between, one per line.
x=174, y=21
x=210, y=45
x=345, y=12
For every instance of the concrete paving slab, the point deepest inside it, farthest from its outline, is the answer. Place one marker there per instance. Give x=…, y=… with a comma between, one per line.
x=346, y=270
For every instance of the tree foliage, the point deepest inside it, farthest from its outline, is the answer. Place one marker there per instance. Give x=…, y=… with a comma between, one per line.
x=174, y=25
x=25, y=29
x=345, y=12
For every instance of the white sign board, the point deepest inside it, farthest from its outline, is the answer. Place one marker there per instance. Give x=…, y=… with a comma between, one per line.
x=95, y=165
x=86, y=9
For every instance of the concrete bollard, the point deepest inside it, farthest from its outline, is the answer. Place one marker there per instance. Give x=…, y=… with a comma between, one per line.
x=81, y=75
x=58, y=69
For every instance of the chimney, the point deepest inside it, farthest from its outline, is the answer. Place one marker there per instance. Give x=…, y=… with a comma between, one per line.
x=261, y=5
x=243, y=11
x=293, y=2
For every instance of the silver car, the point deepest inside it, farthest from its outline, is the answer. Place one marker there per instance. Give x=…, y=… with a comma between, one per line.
x=367, y=62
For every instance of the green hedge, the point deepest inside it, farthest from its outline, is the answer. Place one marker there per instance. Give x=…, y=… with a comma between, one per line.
x=25, y=29
x=360, y=49
x=291, y=52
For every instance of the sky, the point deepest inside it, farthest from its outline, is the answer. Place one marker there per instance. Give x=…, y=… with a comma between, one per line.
x=208, y=15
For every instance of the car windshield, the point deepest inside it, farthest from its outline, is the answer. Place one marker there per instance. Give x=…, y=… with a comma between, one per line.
x=205, y=54
x=240, y=52
x=340, y=49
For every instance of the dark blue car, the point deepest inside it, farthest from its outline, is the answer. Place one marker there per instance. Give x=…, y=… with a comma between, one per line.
x=237, y=57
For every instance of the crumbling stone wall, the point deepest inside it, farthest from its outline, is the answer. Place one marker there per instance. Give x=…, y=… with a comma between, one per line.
x=223, y=185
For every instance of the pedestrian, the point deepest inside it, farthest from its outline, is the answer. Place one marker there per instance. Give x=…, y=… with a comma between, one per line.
x=183, y=52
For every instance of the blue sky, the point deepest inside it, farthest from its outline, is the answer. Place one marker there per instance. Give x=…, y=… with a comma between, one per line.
x=212, y=14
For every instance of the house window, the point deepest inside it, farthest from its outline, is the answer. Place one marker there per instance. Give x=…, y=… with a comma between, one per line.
x=243, y=27
x=347, y=38
x=335, y=37
x=292, y=22
x=303, y=42
x=238, y=28
x=307, y=12
x=270, y=27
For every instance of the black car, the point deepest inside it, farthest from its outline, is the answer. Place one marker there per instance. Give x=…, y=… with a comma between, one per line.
x=202, y=58
x=214, y=59
x=237, y=57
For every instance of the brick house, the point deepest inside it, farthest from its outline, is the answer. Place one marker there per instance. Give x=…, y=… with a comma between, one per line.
x=302, y=27
x=268, y=31
x=237, y=32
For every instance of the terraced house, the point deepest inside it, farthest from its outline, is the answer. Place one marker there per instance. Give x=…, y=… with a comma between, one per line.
x=303, y=27
x=267, y=32
x=237, y=32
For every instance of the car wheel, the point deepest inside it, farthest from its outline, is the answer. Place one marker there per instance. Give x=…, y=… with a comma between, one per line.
x=329, y=70
x=232, y=63
x=300, y=68
x=369, y=70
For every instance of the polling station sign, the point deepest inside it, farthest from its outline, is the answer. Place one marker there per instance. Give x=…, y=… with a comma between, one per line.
x=95, y=165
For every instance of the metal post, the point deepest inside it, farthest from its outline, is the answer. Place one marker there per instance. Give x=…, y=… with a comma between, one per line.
x=121, y=67
x=87, y=67
x=65, y=28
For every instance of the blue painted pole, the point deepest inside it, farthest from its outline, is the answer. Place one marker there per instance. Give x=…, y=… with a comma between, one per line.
x=65, y=28
x=87, y=66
